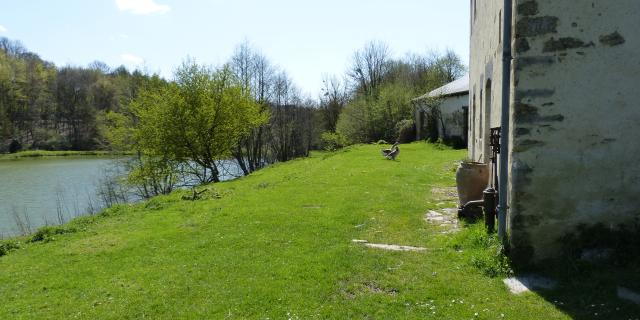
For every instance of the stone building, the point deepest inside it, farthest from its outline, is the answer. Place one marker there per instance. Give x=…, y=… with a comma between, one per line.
x=452, y=103
x=562, y=81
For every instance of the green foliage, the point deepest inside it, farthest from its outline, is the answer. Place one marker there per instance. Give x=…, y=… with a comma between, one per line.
x=487, y=252
x=153, y=176
x=366, y=118
x=43, y=107
x=8, y=246
x=385, y=89
x=332, y=141
x=49, y=139
x=15, y=146
x=199, y=118
x=355, y=122
x=45, y=153
x=406, y=131
x=439, y=144
x=117, y=130
x=48, y=233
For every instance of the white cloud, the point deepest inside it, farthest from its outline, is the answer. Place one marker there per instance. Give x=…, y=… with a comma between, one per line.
x=3, y=29
x=123, y=36
x=131, y=59
x=142, y=6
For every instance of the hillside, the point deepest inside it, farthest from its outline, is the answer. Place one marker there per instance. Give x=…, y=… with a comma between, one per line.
x=275, y=245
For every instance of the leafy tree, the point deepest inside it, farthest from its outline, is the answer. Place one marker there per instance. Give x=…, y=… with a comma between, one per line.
x=199, y=119
x=382, y=89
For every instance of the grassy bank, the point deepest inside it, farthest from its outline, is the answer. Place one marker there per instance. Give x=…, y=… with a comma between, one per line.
x=278, y=245
x=44, y=153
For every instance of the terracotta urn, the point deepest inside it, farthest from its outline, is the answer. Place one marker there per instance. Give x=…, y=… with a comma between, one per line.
x=471, y=179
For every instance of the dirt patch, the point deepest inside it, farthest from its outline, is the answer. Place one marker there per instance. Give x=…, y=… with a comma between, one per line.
x=445, y=193
x=368, y=287
x=374, y=288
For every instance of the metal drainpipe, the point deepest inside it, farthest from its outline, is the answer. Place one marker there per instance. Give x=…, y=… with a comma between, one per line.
x=504, y=136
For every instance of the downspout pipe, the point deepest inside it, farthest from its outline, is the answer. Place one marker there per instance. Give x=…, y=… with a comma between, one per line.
x=504, y=125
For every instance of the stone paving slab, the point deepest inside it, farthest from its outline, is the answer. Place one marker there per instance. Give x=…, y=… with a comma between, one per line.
x=391, y=247
x=519, y=285
x=627, y=294
x=445, y=218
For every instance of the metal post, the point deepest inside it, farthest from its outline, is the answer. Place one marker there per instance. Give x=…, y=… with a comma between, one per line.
x=504, y=137
x=489, y=196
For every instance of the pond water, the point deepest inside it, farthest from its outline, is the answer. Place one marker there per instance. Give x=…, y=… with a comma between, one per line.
x=44, y=191
x=48, y=191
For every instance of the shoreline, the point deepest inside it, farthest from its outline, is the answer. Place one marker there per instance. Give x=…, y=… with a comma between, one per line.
x=47, y=154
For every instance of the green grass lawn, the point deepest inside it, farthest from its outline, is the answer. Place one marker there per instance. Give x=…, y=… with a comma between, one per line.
x=45, y=153
x=276, y=245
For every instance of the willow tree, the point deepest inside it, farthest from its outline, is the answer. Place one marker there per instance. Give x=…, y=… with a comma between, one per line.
x=197, y=120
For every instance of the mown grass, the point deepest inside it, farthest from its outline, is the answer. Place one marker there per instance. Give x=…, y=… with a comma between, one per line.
x=45, y=153
x=276, y=245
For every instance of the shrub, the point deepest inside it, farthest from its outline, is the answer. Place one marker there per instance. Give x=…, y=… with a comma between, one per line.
x=7, y=246
x=15, y=146
x=46, y=234
x=406, y=131
x=332, y=141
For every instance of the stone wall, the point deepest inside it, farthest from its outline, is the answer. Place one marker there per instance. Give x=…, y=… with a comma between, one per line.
x=451, y=109
x=575, y=120
x=485, y=72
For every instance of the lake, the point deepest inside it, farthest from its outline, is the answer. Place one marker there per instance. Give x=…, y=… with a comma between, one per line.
x=40, y=191
x=47, y=191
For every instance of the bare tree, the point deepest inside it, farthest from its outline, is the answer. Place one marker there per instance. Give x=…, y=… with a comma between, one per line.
x=369, y=66
x=242, y=65
x=451, y=66
x=255, y=73
x=333, y=98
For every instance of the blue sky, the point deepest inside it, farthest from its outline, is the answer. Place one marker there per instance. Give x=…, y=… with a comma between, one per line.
x=306, y=38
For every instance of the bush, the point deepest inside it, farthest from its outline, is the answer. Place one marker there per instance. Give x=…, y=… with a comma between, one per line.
x=332, y=141
x=8, y=246
x=406, y=130
x=355, y=123
x=371, y=118
x=45, y=139
x=15, y=146
x=46, y=234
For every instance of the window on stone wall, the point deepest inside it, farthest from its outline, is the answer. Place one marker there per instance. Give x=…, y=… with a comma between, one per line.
x=472, y=123
x=480, y=124
x=486, y=121
x=500, y=27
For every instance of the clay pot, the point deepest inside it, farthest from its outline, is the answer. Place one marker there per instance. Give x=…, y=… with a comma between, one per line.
x=471, y=179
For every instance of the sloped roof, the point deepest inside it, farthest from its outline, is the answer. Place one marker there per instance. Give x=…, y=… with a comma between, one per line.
x=460, y=86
